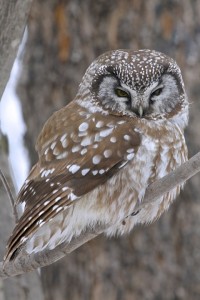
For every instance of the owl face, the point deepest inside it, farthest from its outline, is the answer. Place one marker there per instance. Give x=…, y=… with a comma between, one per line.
x=144, y=84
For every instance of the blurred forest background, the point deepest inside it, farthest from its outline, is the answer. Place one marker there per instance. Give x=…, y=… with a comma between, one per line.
x=161, y=261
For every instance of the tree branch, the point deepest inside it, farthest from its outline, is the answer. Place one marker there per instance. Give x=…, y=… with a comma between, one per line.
x=25, y=263
x=13, y=16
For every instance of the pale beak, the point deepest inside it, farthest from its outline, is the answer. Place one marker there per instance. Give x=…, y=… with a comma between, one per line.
x=140, y=111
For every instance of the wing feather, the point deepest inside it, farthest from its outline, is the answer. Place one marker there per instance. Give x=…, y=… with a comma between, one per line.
x=75, y=156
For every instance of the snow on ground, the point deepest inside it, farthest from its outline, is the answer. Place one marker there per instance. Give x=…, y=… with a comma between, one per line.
x=12, y=124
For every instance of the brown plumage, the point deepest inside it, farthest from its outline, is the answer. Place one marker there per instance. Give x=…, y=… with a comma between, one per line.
x=97, y=155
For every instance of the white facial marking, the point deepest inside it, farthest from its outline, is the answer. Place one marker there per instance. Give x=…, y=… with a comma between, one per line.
x=85, y=171
x=83, y=127
x=96, y=159
x=107, y=153
x=74, y=168
x=113, y=139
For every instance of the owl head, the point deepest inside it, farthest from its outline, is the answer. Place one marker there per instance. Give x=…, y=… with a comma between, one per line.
x=143, y=84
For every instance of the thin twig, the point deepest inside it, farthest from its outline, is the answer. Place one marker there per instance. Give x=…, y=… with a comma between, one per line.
x=8, y=190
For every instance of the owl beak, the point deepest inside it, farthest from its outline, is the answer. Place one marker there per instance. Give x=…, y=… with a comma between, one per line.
x=140, y=111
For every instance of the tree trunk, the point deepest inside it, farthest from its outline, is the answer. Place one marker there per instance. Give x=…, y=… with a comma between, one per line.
x=160, y=261
x=13, y=15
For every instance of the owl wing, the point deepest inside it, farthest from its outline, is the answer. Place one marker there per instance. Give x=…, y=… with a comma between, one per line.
x=75, y=156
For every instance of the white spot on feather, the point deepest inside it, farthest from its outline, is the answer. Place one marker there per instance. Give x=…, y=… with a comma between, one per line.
x=72, y=196
x=130, y=156
x=83, y=151
x=113, y=139
x=57, y=199
x=102, y=171
x=62, y=155
x=64, y=188
x=123, y=164
x=74, y=168
x=95, y=172
x=85, y=171
x=45, y=173
x=107, y=153
x=96, y=159
x=64, y=143
x=127, y=137
x=55, y=207
x=76, y=148
x=86, y=141
x=63, y=137
x=59, y=209
x=99, y=124
x=53, y=145
x=131, y=150
x=106, y=132
x=83, y=127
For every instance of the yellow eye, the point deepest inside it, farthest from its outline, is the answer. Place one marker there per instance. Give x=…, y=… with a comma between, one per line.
x=157, y=92
x=121, y=93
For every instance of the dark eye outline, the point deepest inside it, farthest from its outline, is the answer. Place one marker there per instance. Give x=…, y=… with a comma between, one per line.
x=156, y=93
x=122, y=93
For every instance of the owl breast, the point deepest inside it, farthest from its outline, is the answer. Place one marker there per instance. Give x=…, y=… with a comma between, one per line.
x=162, y=150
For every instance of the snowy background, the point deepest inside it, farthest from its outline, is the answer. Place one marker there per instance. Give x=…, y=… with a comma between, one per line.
x=12, y=124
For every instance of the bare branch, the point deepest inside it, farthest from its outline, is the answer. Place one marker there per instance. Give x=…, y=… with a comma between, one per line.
x=10, y=196
x=25, y=263
x=170, y=181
